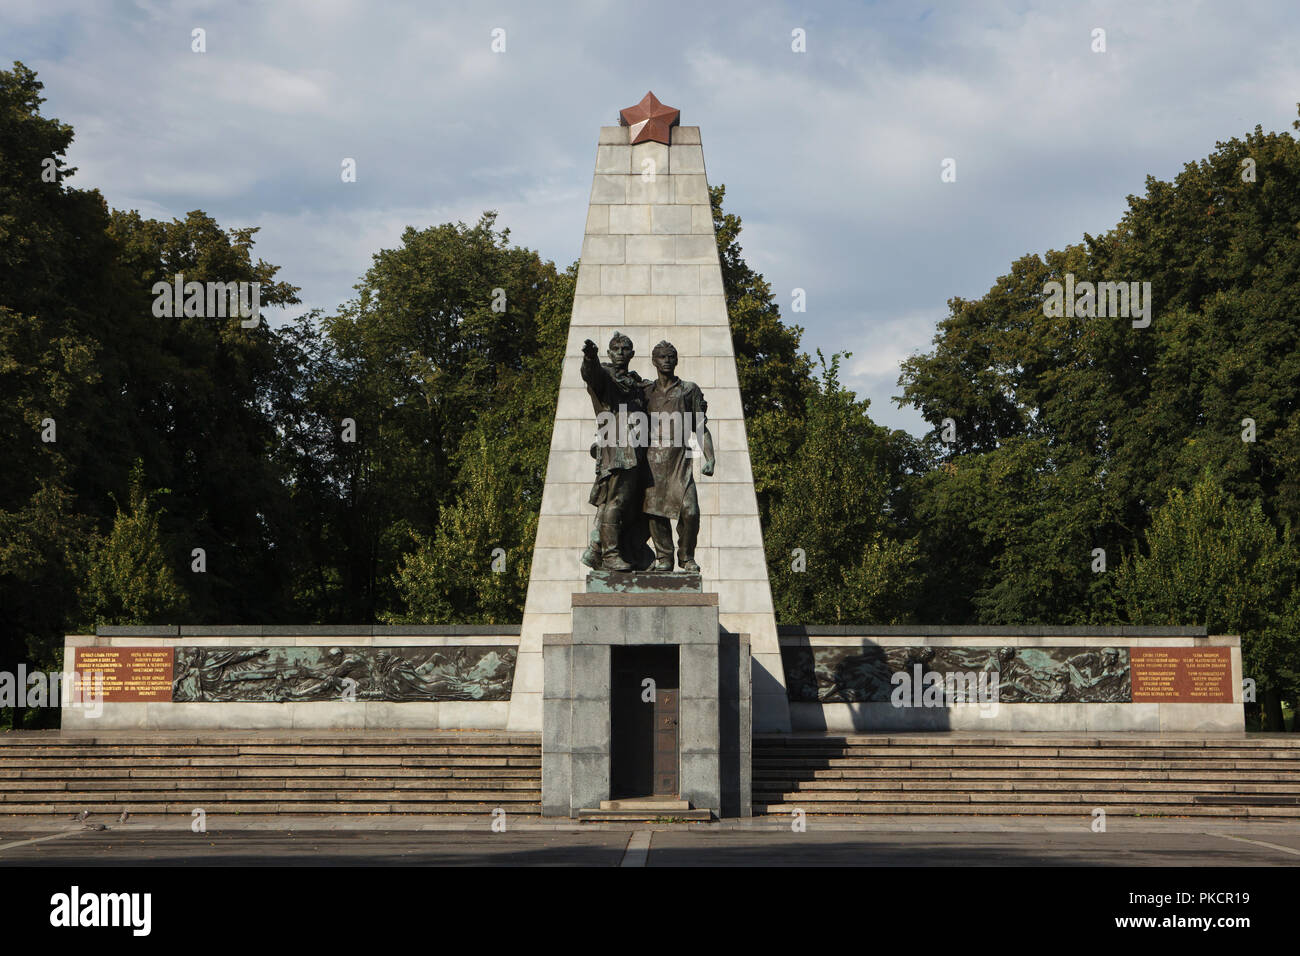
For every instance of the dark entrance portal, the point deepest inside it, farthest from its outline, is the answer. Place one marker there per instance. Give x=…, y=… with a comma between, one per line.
x=643, y=727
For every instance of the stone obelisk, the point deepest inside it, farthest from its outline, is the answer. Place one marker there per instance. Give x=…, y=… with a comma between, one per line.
x=650, y=269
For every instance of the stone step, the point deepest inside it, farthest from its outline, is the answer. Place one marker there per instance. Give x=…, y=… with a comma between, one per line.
x=644, y=816
x=664, y=804
x=1137, y=786
x=764, y=765
x=1014, y=752
x=1008, y=809
x=1022, y=739
x=1084, y=797
x=133, y=772
x=311, y=783
x=95, y=753
x=914, y=773
x=1260, y=800
x=285, y=761
x=248, y=809
x=323, y=799
x=274, y=738
x=438, y=774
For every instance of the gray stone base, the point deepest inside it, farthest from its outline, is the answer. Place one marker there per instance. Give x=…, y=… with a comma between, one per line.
x=715, y=728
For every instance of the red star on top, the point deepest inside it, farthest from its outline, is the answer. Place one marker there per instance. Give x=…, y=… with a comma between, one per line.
x=650, y=120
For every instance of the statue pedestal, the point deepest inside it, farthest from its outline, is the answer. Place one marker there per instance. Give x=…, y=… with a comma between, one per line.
x=647, y=697
x=644, y=582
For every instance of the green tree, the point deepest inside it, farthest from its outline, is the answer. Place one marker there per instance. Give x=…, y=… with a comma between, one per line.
x=832, y=497
x=130, y=574
x=435, y=350
x=500, y=469
x=1212, y=560
x=56, y=269
x=475, y=569
x=1116, y=416
x=198, y=400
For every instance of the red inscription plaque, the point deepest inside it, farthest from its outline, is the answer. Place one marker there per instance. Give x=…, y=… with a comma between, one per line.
x=1184, y=675
x=129, y=673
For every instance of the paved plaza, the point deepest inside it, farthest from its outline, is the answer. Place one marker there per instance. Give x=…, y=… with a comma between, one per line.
x=391, y=841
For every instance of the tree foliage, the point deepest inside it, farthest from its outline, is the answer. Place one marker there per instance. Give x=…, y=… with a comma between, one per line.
x=130, y=574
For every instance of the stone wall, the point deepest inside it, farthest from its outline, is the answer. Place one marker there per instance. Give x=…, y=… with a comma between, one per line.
x=1048, y=679
x=247, y=678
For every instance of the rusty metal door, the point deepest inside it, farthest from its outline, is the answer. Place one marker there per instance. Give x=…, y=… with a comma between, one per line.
x=665, y=742
x=643, y=726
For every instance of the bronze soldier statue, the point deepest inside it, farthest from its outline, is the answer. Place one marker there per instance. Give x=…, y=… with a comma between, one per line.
x=677, y=411
x=618, y=396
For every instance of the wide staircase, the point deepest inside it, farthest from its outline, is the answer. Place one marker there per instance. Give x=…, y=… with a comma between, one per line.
x=472, y=773
x=452, y=773
x=1174, y=775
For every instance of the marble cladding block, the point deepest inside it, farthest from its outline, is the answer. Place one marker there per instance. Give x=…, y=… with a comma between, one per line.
x=651, y=250
x=675, y=280
x=591, y=724
x=600, y=309
x=649, y=159
x=614, y=159
x=699, y=672
x=699, y=733
x=716, y=341
x=590, y=672
x=608, y=190
x=557, y=783
x=700, y=777
x=525, y=712
x=687, y=159
x=590, y=780
x=624, y=280
x=657, y=190
x=597, y=221
x=588, y=279
x=645, y=311
x=557, y=678
x=690, y=189
x=602, y=250
x=633, y=218
x=673, y=220
x=696, y=250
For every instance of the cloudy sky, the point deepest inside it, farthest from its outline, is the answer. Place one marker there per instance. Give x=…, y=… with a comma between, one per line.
x=832, y=157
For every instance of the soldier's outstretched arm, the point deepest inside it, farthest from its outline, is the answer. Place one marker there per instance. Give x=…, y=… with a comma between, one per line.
x=593, y=373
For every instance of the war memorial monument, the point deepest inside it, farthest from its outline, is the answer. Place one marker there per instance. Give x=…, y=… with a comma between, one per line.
x=649, y=664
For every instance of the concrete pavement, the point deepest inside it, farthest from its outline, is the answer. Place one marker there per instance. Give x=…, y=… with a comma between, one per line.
x=894, y=842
